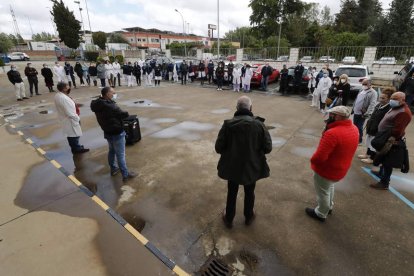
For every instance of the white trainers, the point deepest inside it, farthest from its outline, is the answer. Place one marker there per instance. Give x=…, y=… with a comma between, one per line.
x=367, y=161
x=363, y=156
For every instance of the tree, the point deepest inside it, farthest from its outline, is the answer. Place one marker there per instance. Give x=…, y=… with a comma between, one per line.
x=346, y=19
x=67, y=25
x=369, y=12
x=13, y=39
x=99, y=38
x=117, y=38
x=43, y=36
x=267, y=13
x=326, y=18
x=5, y=43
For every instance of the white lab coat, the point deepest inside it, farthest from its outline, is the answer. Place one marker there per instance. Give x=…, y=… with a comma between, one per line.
x=323, y=88
x=117, y=68
x=60, y=73
x=312, y=79
x=236, y=76
x=247, y=77
x=109, y=69
x=66, y=110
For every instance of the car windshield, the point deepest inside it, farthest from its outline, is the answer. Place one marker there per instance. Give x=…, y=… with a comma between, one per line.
x=351, y=72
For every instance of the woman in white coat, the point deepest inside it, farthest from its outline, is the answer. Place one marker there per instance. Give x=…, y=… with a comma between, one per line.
x=109, y=73
x=248, y=74
x=60, y=72
x=236, y=78
x=68, y=114
x=321, y=92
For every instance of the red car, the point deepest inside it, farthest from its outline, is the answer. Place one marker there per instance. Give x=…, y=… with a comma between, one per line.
x=231, y=58
x=257, y=76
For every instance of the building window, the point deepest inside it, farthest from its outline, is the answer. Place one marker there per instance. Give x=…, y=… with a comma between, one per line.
x=139, y=39
x=155, y=40
x=132, y=40
x=144, y=40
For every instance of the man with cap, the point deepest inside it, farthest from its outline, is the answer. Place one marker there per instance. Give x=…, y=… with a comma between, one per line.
x=332, y=159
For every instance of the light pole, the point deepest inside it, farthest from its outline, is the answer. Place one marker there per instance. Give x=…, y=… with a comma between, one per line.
x=87, y=12
x=280, y=27
x=218, y=28
x=185, y=41
x=80, y=11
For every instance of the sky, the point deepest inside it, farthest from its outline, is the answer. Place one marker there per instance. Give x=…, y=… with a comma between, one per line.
x=114, y=15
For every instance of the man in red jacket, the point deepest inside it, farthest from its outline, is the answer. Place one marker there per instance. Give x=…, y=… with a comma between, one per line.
x=332, y=159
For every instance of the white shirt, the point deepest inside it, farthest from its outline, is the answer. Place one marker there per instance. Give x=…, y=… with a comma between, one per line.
x=117, y=68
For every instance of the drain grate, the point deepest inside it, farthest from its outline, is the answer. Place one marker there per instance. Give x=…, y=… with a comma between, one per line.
x=215, y=267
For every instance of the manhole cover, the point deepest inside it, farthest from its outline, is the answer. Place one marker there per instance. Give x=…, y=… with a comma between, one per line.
x=215, y=267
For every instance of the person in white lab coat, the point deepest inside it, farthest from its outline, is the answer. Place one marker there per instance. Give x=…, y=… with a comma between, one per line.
x=60, y=72
x=109, y=73
x=236, y=78
x=117, y=72
x=321, y=92
x=248, y=74
x=68, y=114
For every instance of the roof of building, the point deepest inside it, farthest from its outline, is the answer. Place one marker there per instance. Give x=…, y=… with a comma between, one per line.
x=153, y=30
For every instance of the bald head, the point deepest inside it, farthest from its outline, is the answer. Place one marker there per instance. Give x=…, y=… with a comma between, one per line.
x=398, y=96
x=244, y=102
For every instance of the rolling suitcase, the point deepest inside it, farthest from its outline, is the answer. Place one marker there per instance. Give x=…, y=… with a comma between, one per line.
x=132, y=129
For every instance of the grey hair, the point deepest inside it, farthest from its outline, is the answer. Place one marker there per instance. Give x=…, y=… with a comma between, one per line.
x=244, y=102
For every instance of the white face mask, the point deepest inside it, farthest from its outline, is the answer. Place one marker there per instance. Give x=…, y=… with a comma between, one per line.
x=114, y=97
x=343, y=81
x=335, y=82
x=365, y=87
x=14, y=68
x=325, y=75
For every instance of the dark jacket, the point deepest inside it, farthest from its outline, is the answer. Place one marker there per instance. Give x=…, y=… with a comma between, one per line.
x=69, y=70
x=299, y=71
x=201, y=67
x=346, y=90
x=93, y=71
x=230, y=68
x=47, y=73
x=14, y=77
x=408, y=86
x=157, y=71
x=183, y=68
x=30, y=72
x=78, y=70
x=266, y=71
x=170, y=67
x=136, y=70
x=284, y=74
x=210, y=67
x=376, y=117
x=220, y=72
x=109, y=116
x=243, y=142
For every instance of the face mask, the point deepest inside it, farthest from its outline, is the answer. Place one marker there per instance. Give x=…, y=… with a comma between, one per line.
x=394, y=103
x=364, y=87
x=14, y=69
x=325, y=75
x=335, y=82
x=114, y=97
x=343, y=81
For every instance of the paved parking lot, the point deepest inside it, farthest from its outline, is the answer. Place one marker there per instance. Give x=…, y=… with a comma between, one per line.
x=177, y=199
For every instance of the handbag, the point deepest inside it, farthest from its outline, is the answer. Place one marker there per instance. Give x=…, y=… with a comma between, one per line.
x=328, y=101
x=380, y=139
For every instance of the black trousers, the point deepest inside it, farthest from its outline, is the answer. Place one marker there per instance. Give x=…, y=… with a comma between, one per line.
x=33, y=82
x=184, y=78
x=232, y=191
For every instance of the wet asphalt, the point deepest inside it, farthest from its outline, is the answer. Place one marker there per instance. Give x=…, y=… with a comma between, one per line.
x=177, y=199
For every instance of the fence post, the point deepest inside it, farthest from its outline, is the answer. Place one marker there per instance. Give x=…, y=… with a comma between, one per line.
x=239, y=55
x=143, y=54
x=369, y=56
x=199, y=54
x=294, y=55
x=168, y=53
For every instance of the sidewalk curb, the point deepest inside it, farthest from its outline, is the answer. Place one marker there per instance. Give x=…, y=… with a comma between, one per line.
x=118, y=218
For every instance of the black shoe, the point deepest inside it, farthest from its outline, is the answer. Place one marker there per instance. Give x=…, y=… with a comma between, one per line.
x=79, y=151
x=330, y=212
x=379, y=186
x=19, y=100
x=115, y=172
x=249, y=221
x=227, y=223
x=311, y=212
x=31, y=95
x=25, y=98
x=376, y=173
x=38, y=94
x=129, y=176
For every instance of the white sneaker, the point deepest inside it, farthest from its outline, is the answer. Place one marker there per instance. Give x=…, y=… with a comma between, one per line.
x=363, y=156
x=218, y=89
x=367, y=161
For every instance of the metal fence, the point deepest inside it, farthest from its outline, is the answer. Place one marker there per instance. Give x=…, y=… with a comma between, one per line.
x=270, y=54
x=350, y=54
x=394, y=54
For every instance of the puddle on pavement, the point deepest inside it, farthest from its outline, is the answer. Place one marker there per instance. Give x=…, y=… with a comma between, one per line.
x=135, y=221
x=164, y=120
x=278, y=142
x=303, y=151
x=221, y=111
x=46, y=112
x=187, y=131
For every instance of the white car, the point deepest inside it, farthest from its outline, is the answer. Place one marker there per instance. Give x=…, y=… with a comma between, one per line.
x=386, y=60
x=349, y=60
x=18, y=56
x=356, y=73
x=326, y=59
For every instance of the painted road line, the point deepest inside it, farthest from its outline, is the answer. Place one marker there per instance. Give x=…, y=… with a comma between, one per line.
x=391, y=189
x=134, y=232
x=402, y=179
x=12, y=126
x=118, y=218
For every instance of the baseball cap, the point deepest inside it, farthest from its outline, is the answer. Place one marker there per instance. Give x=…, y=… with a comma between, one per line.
x=340, y=110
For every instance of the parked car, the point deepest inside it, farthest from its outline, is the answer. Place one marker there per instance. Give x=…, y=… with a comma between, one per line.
x=283, y=58
x=5, y=58
x=306, y=59
x=386, y=60
x=410, y=60
x=304, y=82
x=356, y=73
x=18, y=56
x=326, y=59
x=226, y=77
x=231, y=57
x=257, y=76
x=349, y=60
x=402, y=75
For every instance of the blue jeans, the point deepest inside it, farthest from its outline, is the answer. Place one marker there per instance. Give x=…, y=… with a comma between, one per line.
x=116, y=145
x=265, y=80
x=359, y=121
x=74, y=143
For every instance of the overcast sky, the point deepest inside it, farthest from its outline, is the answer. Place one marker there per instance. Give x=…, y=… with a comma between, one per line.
x=113, y=15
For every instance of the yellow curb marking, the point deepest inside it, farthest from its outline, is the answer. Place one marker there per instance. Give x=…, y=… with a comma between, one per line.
x=12, y=126
x=20, y=133
x=41, y=151
x=56, y=164
x=100, y=202
x=75, y=180
x=136, y=234
x=28, y=140
x=179, y=271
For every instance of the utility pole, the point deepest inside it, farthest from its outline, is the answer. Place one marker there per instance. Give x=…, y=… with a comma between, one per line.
x=218, y=28
x=87, y=12
x=185, y=41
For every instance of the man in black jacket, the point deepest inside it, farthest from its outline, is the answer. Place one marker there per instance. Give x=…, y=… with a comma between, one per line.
x=230, y=68
x=298, y=74
x=110, y=117
x=284, y=78
x=210, y=67
x=242, y=142
x=408, y=88
x=266, y=72
x=16, y=79
x=184, y=71
x=31, y=74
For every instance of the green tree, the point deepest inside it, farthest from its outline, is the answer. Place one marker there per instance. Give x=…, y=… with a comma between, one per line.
x=117, y=38
x=5, y=43
x=346, y=19
x=43, y=36
x=99, y=38
x=369, y=12
x=13, y=39
x=326, y=18
x=19, y=38
x=67, y=25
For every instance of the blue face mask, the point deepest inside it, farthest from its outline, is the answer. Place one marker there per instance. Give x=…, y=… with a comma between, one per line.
x=394, y=103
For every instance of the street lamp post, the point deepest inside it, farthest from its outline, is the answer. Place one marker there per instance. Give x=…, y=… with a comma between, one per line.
x=185, y=41
x=87, y=12
x=218, y=28
x=80, y=11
